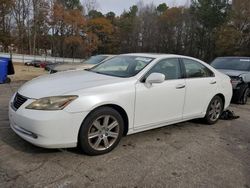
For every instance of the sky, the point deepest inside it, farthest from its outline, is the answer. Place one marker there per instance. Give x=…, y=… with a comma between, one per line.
x=118, y=6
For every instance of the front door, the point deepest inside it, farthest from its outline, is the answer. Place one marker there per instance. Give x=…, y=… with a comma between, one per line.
x=161, y=102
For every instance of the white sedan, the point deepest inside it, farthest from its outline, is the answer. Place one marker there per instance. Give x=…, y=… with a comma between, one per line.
x=126, y=94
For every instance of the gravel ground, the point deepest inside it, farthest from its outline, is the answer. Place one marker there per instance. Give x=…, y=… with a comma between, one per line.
x=187, y=154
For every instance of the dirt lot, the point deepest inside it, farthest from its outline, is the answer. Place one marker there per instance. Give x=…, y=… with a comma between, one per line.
x=24, y=73
x=188, y=154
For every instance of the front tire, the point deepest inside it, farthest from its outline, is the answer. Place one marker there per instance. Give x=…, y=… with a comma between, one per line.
x=214, y=110
x=101, y=131
x=240, y=95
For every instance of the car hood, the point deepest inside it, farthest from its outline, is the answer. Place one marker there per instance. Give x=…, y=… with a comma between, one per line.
x=64, y=82
x=77, y=66
x=232, y=72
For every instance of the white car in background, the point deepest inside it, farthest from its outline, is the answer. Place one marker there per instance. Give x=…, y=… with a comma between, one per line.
x=86, y=64
x=124, y=95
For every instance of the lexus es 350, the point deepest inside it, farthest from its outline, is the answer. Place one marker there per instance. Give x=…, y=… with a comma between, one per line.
x=126, y=94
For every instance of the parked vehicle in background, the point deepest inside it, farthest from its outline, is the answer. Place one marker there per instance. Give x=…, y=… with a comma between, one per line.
x=238, y=68
x=32, y=63
x=86, y=64
x=49, y=67
x=43, y=64
x=123, y=95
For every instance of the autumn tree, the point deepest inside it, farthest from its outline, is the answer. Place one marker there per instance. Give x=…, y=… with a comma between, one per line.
x=21, y=16
x=172, y=30
x=104, y=30
x=40, y=26
x=76, y=28
x=67, y=22
x=234, y=36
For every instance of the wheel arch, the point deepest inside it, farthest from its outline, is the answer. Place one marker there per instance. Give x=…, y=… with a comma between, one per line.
x=219, y=95
x=222, y=97
x=119, y=109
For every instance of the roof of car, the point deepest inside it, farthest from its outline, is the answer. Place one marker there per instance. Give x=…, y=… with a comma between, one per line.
x=232, y=57
x=155, y=55
x=106, y=55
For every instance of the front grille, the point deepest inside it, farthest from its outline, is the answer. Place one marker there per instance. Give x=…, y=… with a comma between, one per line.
x=235, y=77
x=18, y=101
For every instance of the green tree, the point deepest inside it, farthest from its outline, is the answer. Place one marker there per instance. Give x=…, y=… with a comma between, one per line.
x=95, y=14
x=162, y=8
x=110, y=16
x=127, y=24
x=209, y=15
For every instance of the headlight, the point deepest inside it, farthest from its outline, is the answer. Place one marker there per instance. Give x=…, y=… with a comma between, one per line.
x=235, y=81
x=52, y=103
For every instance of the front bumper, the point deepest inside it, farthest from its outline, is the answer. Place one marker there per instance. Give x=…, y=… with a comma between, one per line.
x=48, y=129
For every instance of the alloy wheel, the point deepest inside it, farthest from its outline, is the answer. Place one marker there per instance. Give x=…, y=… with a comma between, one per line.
x=103, y=132
x=215, y=110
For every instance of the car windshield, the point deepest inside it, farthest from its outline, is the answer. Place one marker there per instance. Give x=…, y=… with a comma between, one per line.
x=240, y=64
x=122, y=66
x=95, y=59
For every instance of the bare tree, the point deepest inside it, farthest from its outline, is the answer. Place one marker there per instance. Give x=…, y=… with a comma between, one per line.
x=20, y=12
x=5, y=23
x=90, y=5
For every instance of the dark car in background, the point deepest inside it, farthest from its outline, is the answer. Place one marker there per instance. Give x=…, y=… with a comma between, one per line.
x=32, y=63
x=85, y=64
x=51, y=66
x=37, y=64
x=238, y=69
x=43, y=64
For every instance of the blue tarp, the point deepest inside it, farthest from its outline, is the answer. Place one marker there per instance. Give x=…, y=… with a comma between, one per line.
x=6, y=68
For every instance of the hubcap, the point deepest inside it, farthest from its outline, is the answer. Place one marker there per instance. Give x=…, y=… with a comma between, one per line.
x=214, y=110
x=103, y=132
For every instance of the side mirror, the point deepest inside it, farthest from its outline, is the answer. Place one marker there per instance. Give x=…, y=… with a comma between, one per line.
x=154, y=78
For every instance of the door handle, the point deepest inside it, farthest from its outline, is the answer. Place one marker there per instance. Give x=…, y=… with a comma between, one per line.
x=213, y=82
x=180, y=86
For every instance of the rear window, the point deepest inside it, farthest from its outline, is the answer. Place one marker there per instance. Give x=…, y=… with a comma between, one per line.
x=239, y=64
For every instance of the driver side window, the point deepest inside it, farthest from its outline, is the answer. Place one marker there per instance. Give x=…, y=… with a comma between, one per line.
x=169, y=67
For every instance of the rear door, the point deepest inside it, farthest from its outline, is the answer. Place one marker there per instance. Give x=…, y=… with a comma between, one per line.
x=201, y=86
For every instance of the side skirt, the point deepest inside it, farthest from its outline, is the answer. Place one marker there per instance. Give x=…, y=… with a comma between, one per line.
x=161, y=124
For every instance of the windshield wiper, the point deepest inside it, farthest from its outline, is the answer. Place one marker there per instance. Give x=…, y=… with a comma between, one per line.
x=103, y=73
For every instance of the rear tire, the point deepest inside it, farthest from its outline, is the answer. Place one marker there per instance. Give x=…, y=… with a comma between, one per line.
x=245, y=95
x=214, y=110
x=101, y=131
